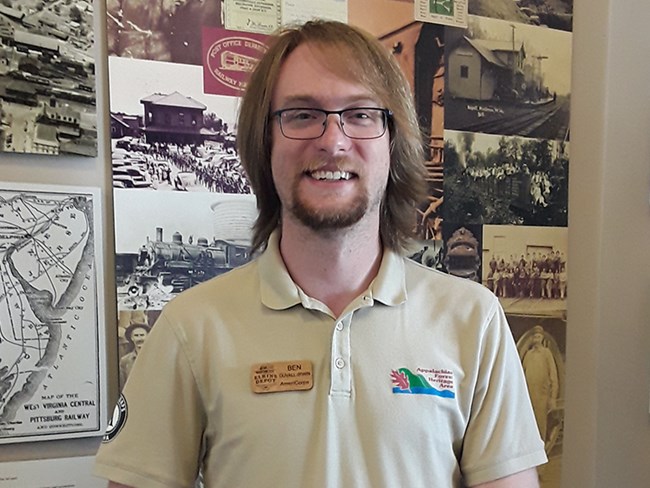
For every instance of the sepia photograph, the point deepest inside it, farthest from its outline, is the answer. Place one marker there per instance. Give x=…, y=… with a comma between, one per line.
x=526, y=267
x=166, y=134
x=133, y=327
x=168, y=242
x=461, y=252
x=554, y=14
x=507, y=78
x=47, y=77
x=541, y=344
x=160, y=30
x=492, y=179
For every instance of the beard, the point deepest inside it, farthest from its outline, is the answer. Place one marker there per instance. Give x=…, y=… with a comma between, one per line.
x=328, y=218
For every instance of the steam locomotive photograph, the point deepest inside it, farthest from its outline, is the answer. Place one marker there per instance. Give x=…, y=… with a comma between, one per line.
x=177, y=241
x=162, y=268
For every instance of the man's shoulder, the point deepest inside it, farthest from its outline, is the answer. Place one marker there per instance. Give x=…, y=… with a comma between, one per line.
x=431, y=275
x=444, y=286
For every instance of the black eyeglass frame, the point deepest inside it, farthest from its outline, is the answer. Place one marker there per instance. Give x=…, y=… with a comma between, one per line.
x=387, y=115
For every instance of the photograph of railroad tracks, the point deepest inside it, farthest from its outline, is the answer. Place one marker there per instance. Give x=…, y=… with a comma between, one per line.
x=507, y=78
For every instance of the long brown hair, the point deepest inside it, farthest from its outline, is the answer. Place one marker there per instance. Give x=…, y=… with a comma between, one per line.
x=353, y=54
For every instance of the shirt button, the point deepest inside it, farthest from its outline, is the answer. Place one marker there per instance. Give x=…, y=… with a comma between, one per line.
x=340, y=363
x=339, y=326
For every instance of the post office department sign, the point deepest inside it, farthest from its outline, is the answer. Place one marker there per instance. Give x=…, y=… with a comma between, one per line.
x=228, y=59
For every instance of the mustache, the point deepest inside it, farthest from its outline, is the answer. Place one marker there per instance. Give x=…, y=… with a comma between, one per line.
x=342, y=163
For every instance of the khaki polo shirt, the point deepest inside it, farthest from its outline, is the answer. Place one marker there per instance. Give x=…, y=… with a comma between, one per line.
x=417, y=383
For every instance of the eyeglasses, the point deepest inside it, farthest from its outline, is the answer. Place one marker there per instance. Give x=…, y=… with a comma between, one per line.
x=355, y=122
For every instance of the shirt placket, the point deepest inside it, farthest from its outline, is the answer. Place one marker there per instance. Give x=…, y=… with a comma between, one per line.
x=341, y=367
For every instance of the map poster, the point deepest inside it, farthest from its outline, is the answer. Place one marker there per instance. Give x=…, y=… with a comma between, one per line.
x=52, y=371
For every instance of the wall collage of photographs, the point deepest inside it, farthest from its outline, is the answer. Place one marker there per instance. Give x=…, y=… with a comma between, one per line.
x=492, y=99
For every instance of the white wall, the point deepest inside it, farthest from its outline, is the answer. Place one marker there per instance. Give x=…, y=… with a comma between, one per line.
x=607, y=440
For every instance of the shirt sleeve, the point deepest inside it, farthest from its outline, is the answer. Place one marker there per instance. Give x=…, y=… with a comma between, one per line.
x=155, y=437
x=502, y=436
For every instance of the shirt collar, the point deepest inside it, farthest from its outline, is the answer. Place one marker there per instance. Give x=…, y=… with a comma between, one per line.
x=279, y=292
x=389, y=286
x=277, y=289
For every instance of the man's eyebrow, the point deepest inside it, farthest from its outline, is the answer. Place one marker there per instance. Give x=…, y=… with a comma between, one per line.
x=311, y=101
x=297, y=99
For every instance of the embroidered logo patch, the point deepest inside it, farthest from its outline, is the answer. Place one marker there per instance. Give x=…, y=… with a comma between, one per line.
x=425, y=381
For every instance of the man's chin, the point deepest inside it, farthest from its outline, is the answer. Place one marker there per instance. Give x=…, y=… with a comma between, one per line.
x=329, y=219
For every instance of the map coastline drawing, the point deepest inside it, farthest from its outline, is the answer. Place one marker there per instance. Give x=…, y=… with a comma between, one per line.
x=51, y=372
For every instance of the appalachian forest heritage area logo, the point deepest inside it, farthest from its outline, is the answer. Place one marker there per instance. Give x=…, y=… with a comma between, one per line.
x=425, y=381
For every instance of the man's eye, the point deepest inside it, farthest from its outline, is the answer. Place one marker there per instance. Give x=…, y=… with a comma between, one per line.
x=300, y=115
x=360, y=114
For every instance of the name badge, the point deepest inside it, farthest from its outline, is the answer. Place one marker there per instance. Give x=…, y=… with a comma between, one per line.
x=282, y=376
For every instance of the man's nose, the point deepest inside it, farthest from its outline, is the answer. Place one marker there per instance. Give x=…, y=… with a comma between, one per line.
x=333, y=136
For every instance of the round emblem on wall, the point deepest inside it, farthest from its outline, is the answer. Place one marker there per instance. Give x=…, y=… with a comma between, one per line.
x=231, y=59
x=117, y=421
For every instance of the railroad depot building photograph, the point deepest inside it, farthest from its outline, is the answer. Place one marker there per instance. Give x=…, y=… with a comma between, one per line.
x=47, y=77
x=506, y=78
x=164, y=137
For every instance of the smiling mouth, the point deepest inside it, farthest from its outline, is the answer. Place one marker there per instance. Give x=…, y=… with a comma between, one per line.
x=330, y=175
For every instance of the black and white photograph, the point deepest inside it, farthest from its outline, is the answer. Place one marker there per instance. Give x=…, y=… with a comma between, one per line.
x=160, y=30
x=526, y=267
x=166, y=134
x=554, y=14
x=133, y=327
x=166, y=243
x=507, y=78
x=461, y=253
x=492, y=179
x=429, y=253
x=541, y=344
x=47, y=78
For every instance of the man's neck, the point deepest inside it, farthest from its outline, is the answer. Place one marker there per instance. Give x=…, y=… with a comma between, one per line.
x=333, y=267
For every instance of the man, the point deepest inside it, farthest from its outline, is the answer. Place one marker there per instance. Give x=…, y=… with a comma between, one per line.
x=330, y=360
x=135, y=335
x=542, y=378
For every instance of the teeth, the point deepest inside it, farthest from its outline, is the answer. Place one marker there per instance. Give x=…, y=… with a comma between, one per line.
x=331, y=175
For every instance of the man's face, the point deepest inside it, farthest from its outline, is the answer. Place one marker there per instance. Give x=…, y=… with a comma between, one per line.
x=138, y=336
x=333, y=181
